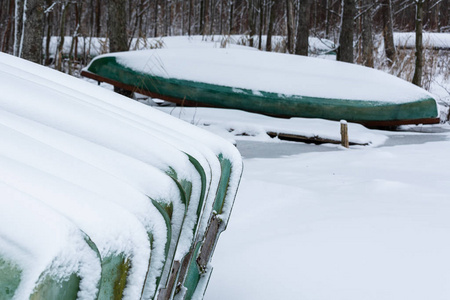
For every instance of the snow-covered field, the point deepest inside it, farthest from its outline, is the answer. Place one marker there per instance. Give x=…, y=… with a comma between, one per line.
x=322, y=222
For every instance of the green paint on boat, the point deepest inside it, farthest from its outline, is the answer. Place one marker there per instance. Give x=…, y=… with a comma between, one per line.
x=193, y=275
x=185, y=186
x=115, y=270
x=202, y=174
x=225, y=165
x=266, y=102
x=166, y=210
x=50, y=288
x=10, y=276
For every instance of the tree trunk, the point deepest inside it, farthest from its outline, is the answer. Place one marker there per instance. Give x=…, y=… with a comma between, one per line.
x=327, y=19
x=117, y=32
x=272, y=6
x=443, y=15
x=49, y=19
x=252, y=22
x=304, y=21
x=18, y=23
x=231, y=16
x=168, y=17
x=366, y=34
x=7, y=34
x=98, y=14
x=205, y=17
x=221, y=17
x=117, y=26
x=417, y=79
x=290, y=26
x=155, y=20
x=345, y=50
x=212, y=16
x=59, y=51
x=388, y=31
x=190, y=17
x=261, y=18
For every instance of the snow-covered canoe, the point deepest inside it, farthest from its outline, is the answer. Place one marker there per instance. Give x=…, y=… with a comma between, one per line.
x=172, y=178
x=268, y=83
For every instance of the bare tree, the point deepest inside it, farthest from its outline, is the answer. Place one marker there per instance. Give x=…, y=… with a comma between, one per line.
x=272, y=6
x=304, y=21
x=444, y=10
x=366, y=34
x=62, y=26
x=117, y=32
x=33, y=31
x=388, y=31
x=117, y=26
x=417, y=78
x=6, y=37
x=18, y=26
x=290, y=26
x=251, y=21
x=345, y=50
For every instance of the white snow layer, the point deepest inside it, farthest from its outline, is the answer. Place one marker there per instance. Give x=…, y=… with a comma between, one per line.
x=282, y=74
x=365, y=223
x=96, y=46
x=81, y=138
x=238, y=125
x=429, y=39
x=38, y=240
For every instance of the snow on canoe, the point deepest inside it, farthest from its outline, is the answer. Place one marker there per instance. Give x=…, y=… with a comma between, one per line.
x=268, y=83
x=174, y=178
x=42, y=254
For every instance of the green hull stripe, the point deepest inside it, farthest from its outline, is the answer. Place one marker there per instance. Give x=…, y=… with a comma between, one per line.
x=266, y=102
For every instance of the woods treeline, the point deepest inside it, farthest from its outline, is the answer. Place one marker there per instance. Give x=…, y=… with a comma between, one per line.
x=350, y=24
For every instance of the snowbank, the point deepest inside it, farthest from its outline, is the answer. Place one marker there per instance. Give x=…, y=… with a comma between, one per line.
x=240, y=125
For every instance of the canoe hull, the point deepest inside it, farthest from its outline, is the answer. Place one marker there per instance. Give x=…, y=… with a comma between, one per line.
x=191, y=93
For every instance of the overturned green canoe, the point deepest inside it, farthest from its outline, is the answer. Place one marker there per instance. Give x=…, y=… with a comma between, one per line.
x=268, y=83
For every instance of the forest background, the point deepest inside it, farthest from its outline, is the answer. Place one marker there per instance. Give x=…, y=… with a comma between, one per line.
x=362, y=31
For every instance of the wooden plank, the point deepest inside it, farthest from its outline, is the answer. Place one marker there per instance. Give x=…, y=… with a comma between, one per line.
x=309, y=139
x=167, y=293
x=209, y=242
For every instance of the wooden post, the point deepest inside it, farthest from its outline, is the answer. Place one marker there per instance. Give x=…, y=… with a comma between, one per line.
x=344, y=134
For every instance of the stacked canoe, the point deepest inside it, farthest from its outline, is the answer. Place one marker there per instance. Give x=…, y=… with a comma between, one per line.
x=103, y=198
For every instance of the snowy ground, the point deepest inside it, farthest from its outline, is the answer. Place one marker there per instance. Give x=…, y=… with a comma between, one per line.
x=323, y=222
x=327, y=223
